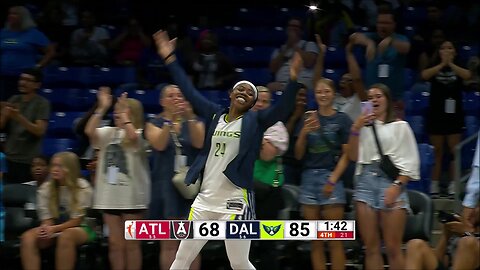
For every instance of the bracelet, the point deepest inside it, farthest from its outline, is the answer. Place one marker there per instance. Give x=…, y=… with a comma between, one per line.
x=331, y=183
x=353, y=133
x=167, y=122
x=193, y=120
x=126, y=123
x=168, y=56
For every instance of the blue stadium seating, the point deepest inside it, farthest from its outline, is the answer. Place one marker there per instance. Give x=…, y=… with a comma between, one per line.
x=258, y=76
x=218, y=96
x=149, y=98
x=417, y=123
x=414, y=15
x=466, y=51
x=251, y=36
x=471, y=103
x=427, y=161
x=256, y=56
x=55, y=145
x=65, y=99
x=417, y=103
x=472, y=124
x=110, y=76
x=335, y=57
x=54, y=76
x=61, y=124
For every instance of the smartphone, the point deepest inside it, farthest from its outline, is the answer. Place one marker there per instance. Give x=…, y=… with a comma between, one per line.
x=367, y=107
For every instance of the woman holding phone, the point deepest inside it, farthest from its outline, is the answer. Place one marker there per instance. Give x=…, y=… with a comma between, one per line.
x=382, y=202
x=322, y=146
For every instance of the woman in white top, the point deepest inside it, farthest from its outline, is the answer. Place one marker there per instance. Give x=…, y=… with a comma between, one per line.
x=122, y=184
x=382, y=202
x=61, y=205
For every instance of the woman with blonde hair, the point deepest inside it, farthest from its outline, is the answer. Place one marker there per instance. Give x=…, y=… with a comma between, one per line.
x=61, y=205
x=122, y=180
x=21, y=47
x=322, y=147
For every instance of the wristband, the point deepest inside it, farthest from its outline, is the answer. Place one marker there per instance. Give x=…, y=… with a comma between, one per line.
x=126, y=123
x=330, y=182
x=193, y=120
x=167, y=122
x=353, y=133
x=168, y=56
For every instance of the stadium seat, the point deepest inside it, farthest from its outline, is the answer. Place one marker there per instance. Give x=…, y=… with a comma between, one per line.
x=258, y=76
x=417, y=123
x=427, y=160
x=61, y=124
x=466, y=51
x=149, y=98
x=471, y=103
x=54, y=76
x=250, y=56
x=334, y=74
x=418, y=103
x=19, y=203
x=65, y=99
x=218, y=96
x=110, y=76
x=251, y=36
x=335, y=57
x=472, y=125
x=420, y=222
x=55, y=145
x=414, y=15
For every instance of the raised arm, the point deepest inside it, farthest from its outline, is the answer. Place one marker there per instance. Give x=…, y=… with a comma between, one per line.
x=104, y=99
x=166, y=50
x=284, y=107
x=319, y=64
x=355, y=72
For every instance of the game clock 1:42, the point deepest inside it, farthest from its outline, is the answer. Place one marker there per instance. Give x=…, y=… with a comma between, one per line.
x=336, y=225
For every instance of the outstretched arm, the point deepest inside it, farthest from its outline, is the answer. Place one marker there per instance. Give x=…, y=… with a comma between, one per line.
x=355, y=72
x=319, y=64
x=284, y=107
x=166, y=50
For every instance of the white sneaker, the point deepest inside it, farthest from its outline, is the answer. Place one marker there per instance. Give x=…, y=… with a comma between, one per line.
x=434, y=188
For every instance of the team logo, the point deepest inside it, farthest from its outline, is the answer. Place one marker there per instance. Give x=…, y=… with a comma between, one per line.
x=130, y=229
x=181, y=229
x=272, y=230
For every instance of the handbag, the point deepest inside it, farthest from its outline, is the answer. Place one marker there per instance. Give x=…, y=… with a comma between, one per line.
x=187, y=191
x=386, y=164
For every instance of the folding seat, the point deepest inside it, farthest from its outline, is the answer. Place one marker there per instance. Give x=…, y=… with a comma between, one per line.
x=472, y=125
x=417, y=123
x=471, y=103
x=418, y=103
x=258, y=76
x=335, y=58
x=55, y=76
x=110, y=76
x=64, y=99
x=61, y=124
x=55, y=145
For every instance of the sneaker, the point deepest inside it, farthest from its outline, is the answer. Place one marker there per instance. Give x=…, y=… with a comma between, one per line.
x=434, y=188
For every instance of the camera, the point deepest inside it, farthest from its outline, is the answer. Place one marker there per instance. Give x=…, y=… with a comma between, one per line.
x=445, y=217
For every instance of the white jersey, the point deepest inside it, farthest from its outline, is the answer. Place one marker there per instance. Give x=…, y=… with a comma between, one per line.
x=218, y=193
x=123, y=174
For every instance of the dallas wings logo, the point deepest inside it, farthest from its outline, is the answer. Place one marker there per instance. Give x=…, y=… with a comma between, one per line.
x=130, y=230
x=272, y=230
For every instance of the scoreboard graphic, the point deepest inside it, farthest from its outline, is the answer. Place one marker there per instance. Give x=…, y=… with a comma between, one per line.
x=240, y=230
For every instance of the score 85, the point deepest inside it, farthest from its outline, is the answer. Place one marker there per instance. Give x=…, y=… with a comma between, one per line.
x=300, y=229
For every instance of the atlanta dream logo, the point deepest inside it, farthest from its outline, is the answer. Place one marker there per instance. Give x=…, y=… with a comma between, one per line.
x=130, y=230
x=181, y=230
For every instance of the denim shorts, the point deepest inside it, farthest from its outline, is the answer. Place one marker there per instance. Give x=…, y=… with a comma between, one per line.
x=370, y=188
x=311, y=189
